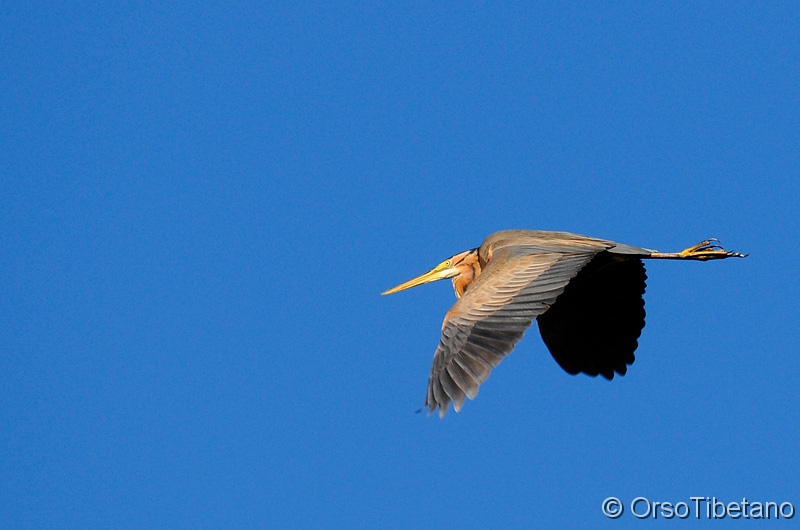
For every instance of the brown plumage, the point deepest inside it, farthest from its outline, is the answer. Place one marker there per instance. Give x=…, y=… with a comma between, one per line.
x=586, y=294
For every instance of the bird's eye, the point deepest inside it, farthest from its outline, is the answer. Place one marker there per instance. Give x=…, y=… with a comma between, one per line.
x=447, y=263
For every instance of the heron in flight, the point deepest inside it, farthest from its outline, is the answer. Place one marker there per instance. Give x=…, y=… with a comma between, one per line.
x=585, y=294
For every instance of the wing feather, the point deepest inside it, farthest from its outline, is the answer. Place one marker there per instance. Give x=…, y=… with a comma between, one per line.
x=517, y=285
x=594, y=325
x=463, y=380
x=476, y=371
x=451, y=389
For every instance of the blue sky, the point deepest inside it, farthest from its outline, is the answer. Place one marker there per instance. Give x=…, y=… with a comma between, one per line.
x=201, y=203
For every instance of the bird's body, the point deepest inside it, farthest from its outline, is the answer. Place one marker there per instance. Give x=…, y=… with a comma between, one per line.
x=586, y=294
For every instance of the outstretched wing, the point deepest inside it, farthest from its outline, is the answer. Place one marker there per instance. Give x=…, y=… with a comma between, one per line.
x=594, y=324
x=516, y=286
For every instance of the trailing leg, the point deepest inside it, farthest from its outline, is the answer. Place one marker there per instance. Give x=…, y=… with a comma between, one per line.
x=703, y=251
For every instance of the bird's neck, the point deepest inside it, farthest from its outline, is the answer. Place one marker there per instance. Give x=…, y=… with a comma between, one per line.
x=469, y=270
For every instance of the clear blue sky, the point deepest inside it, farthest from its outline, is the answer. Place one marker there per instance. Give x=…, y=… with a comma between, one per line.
x=201, y=202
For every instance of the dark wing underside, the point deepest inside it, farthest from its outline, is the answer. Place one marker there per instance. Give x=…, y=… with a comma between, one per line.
x=593, y=326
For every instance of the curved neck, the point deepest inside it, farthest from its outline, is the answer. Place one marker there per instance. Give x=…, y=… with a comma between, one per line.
x=469, y=268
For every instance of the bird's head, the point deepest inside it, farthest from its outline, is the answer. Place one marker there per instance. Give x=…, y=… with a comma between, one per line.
x=463, y=268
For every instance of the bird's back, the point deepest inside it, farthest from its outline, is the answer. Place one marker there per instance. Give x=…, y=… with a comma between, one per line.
x=546, y=241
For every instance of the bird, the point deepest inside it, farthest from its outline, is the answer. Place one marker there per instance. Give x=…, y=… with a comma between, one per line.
x=585, y=293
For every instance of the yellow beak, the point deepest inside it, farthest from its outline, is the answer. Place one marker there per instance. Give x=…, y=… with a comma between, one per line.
x=441, y=272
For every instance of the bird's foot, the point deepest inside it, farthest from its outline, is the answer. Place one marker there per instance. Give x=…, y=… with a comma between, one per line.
x=709, y=249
